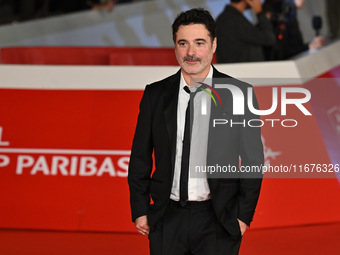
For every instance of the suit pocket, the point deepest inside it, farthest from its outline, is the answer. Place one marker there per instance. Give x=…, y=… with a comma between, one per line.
x=232, y=227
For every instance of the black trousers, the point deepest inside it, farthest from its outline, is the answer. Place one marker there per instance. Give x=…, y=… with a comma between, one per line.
x=191, y=230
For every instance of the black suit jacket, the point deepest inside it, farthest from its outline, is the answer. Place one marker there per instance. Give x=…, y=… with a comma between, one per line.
x=233, y=196
x=239, y=40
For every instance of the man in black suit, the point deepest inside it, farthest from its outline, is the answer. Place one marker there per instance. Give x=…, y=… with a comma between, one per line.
x=238, y=39
x=207, y=213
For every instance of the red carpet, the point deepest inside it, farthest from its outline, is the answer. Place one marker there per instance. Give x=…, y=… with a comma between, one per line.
x=315, y=239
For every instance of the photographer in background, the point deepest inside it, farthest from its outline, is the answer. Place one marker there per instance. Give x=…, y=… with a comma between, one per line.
x=283, y=15
x=238, y=39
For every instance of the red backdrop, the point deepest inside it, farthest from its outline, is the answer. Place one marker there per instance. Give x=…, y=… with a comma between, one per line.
x=64, y=157
x=75, y=179
x=89, y=56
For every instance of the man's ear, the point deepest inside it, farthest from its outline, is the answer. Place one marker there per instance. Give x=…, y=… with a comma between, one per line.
x=214, y=44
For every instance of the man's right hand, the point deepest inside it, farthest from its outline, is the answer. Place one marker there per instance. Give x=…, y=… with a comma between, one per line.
x=142, y=225
x=256, y=5
x=317, y=43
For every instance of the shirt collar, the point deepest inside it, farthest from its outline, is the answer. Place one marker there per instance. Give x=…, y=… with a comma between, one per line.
x=206, y=80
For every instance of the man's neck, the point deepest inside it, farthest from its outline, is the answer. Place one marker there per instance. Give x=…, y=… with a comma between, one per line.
x=198, y=78
x=240, y=6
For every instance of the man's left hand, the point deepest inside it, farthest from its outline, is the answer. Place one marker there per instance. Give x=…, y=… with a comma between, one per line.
x=243, y=226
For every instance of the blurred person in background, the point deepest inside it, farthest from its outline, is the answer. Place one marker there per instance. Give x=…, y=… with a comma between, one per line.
x=333, y=14
x=283, y=15
x=238, y=39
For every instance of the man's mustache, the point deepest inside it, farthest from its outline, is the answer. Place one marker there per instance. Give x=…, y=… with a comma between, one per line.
x=191, y=59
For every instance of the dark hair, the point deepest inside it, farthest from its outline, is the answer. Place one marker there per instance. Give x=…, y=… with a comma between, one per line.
x=235, y=1
x=195, y=16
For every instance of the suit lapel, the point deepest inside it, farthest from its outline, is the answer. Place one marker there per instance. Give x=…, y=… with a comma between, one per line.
x=170, y=112
x=219, y=112
x=217, y=74
x=215, y=111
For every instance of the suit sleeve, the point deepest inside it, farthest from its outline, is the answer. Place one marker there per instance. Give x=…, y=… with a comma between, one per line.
x=251, y=152
x=141, y=163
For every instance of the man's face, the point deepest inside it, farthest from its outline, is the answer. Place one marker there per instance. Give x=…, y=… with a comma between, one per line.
x=194, y=50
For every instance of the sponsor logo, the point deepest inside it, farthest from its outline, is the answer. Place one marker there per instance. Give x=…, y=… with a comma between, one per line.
x=238, y=100
x=63, y=162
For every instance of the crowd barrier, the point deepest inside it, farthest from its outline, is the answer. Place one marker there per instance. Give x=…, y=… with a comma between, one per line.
x=89, y=56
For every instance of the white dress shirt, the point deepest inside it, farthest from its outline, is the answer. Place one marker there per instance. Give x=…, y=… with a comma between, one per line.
x=198, y=188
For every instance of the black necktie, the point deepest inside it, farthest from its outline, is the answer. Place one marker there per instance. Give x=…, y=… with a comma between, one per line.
x=183, y=183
